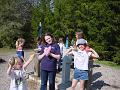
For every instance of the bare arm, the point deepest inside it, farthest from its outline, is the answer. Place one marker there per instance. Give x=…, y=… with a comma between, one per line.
x=16, y=44
x=30, y=59
x=69, y=51
x=94, y=54
x=55, y=56
x=9, y=69
x=41, y=56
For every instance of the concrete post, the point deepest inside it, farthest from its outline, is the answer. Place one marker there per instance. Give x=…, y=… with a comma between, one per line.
x=65, y=73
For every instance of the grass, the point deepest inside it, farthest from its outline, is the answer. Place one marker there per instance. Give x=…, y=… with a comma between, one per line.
x=6, y=50
x=109, y=63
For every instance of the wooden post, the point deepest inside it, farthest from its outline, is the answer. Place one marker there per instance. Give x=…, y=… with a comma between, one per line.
x=90, y=71
x=36, y=67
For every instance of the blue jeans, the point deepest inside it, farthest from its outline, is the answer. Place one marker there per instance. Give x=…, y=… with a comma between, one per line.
x=45, y=75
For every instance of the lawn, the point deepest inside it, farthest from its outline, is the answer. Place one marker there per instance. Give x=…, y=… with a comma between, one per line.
x=7, y=50
x=108, y=63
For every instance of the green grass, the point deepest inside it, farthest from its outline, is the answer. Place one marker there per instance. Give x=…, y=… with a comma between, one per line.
x=6, y=50
x=108, y=63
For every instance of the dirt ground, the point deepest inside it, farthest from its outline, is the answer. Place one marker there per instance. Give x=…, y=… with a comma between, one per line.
x=104, y=77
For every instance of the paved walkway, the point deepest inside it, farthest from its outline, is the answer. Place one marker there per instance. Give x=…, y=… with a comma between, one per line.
x=104, y=78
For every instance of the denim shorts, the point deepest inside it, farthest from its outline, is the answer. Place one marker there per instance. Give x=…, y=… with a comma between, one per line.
x=20, y=54
x=80, y=74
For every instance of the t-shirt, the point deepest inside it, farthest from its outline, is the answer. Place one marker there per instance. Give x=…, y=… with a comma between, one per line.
x=62, y=48
x=49, y=63
x=81, y=59
x=18, y=81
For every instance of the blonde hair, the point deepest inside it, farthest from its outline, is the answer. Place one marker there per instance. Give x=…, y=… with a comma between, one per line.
x=20, y=40
x=14, y=60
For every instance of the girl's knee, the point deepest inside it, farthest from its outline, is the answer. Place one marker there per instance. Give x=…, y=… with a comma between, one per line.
x=73, y=85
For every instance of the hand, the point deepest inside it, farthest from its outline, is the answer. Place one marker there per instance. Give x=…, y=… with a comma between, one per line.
x=11, y=61
x=37, y=50
x=47, y=51
x=32, y=55
x=88, y=49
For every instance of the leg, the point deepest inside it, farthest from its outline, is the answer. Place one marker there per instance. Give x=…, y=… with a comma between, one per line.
x=82, y=82
x=84, y=78
x=74, y=83
x=22, y=56
x=59, y=69
x=44, y=78
x=52, y=75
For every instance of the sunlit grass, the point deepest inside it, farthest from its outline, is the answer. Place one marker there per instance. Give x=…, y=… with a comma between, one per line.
x=7, y=50
x=108, y=63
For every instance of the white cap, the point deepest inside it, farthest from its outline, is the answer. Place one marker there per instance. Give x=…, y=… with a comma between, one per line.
x=81, y=41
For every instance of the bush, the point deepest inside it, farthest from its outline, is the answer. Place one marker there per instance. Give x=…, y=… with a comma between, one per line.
x=116, y=57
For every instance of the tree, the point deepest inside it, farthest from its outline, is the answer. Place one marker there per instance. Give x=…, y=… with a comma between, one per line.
x=14, y=15
x=98, y=19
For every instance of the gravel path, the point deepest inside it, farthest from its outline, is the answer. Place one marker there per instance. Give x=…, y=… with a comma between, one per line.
x=104, y=78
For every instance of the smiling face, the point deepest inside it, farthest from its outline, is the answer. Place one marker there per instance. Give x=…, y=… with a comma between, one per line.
x=82, y=47
x=48, y=39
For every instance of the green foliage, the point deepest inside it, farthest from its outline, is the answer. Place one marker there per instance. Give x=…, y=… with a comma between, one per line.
x=98, y=19
x=8, y=33
x=116, y=57
x=14, y=16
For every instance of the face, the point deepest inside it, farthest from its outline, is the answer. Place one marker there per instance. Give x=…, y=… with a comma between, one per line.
x=77, y=35
x=48, y=39
x=20, y=42
x=81, y=47
x=18, y=65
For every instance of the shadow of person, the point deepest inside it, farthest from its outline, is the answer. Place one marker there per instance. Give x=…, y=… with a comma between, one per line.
x=2, y=60
x=96, y=65
x=96, y=76
x=98, y=85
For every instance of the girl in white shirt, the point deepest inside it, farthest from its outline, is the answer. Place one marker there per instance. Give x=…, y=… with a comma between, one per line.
x=16, y=71
x=81, y=58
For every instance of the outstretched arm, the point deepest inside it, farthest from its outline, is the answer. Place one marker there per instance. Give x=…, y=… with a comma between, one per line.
x=30, y=59
x=69, y=51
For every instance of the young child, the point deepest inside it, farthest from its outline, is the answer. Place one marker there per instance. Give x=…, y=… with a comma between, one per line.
x=62, y=49
x=81, y=58
x=39, y=44
x=19, y=47
x=16, y=71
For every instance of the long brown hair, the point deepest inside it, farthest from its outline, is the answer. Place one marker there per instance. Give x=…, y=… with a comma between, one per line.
x=49, y=34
